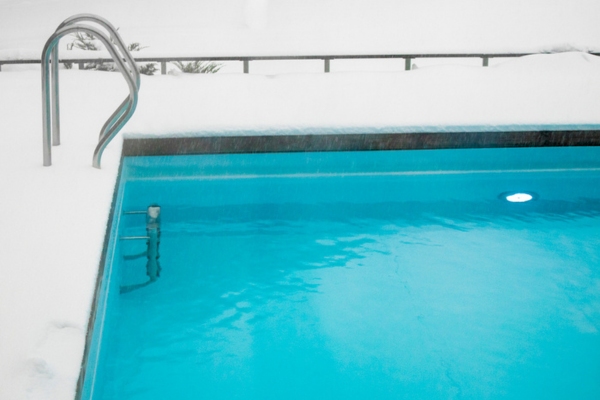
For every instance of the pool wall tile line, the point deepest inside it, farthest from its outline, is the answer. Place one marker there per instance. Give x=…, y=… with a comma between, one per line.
x=357, y=142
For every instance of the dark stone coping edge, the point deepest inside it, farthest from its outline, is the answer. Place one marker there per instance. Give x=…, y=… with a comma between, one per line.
x=356, y=142
x=97, y=290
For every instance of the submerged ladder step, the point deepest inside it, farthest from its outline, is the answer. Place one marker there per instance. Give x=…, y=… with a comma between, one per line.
x=153, y=240
x=134, y=237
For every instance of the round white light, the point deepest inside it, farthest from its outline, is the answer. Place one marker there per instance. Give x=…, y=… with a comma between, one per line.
x=519, y=197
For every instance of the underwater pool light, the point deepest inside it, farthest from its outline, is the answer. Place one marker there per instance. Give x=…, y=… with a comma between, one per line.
x=519, y=197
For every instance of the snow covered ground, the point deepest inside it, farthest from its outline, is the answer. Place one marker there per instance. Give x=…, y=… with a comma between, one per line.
x=535, y=90
x=54, y=219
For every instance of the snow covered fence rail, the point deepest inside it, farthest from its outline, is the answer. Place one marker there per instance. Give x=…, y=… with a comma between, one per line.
x=246, y=59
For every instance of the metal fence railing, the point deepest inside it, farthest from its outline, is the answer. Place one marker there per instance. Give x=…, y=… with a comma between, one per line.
x=408, y=59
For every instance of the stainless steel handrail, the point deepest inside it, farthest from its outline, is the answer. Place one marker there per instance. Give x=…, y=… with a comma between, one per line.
x=118, y=41
x=125, y=63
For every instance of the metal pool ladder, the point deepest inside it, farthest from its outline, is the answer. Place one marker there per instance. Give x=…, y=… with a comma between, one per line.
x=50, y=104
x=152, y=244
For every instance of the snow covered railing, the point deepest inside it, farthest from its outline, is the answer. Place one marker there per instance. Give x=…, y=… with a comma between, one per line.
x=408, y=58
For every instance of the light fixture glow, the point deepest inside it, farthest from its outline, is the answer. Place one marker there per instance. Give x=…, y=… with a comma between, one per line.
x=519, y=197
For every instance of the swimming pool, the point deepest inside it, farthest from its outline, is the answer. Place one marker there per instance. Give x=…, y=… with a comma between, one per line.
x=388, y=274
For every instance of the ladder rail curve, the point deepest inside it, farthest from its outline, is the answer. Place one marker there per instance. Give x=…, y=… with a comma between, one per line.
x=125, y=64
x=120, y=43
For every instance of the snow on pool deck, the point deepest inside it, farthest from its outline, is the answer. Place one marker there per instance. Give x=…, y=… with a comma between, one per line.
x=54, y=218
x=533, y=90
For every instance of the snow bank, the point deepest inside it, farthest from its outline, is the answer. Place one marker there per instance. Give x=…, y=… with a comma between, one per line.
x=51, y=233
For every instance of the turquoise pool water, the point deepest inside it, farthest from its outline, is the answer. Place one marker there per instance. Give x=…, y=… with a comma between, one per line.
x=354, y=275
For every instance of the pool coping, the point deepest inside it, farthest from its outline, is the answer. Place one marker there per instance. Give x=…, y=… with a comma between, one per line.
x=355, y=142
x=111, y=225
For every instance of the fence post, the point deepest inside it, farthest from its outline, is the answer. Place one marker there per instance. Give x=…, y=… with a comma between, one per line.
x=486, y=61
x=163, y=67
x=407, y=63
x=327, y=64
x=246, y=66
x=81, y=65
